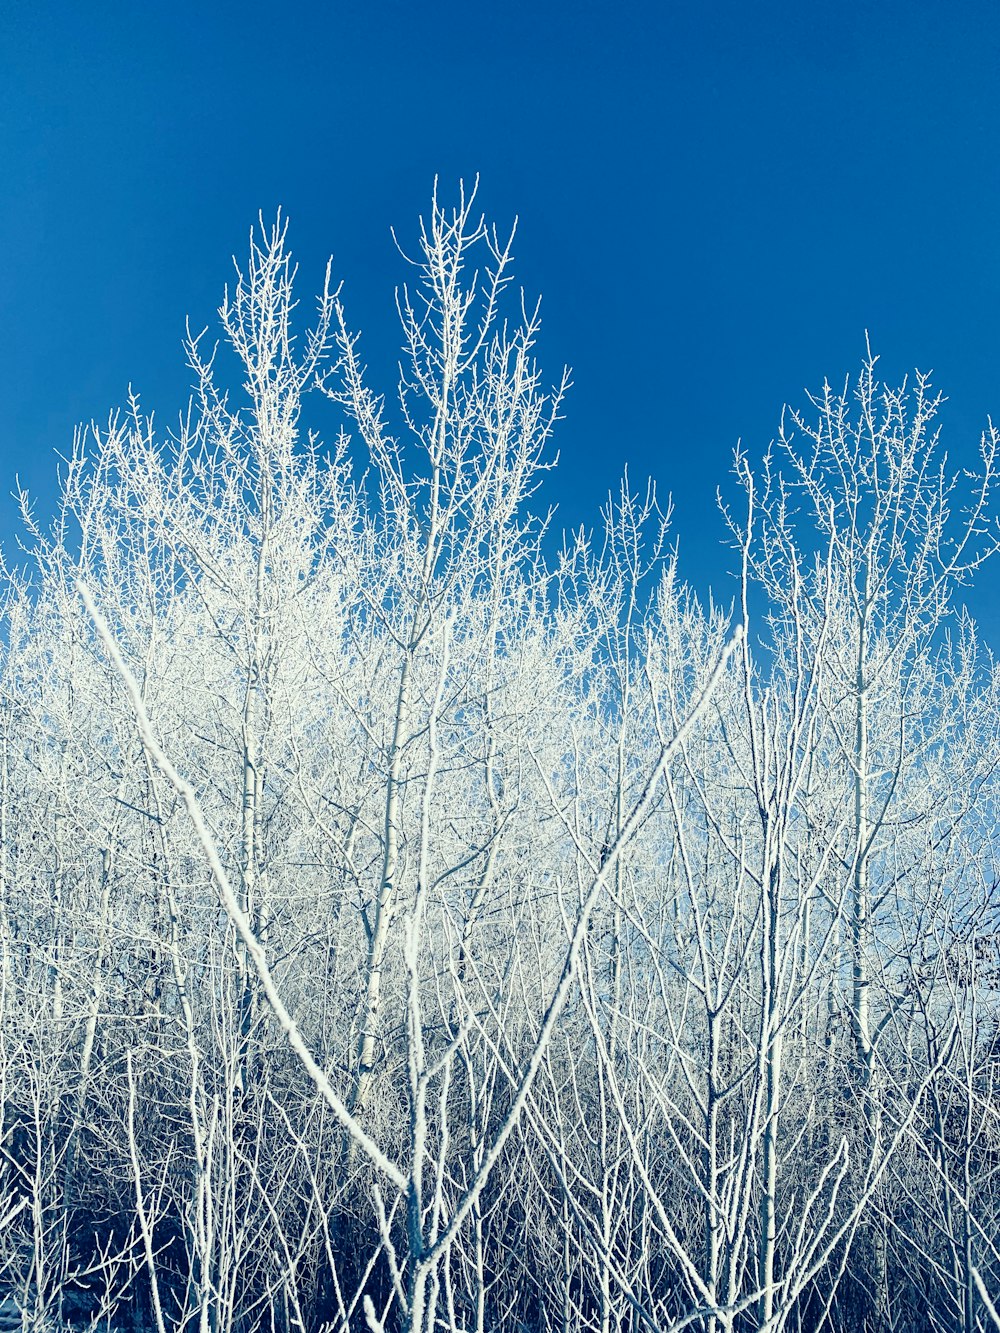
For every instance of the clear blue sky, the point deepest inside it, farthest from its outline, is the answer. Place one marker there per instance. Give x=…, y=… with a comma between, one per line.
x=715, y=200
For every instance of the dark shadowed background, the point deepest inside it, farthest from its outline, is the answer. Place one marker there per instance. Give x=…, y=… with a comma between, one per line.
x=715, y=201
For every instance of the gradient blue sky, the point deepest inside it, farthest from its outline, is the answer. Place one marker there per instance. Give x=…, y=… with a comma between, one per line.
x=715, y=201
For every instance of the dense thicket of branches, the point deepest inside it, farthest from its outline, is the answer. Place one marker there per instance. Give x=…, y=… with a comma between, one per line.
x=403, y=928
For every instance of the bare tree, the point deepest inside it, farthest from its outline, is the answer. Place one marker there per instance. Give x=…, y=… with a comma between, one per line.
x=405, y=926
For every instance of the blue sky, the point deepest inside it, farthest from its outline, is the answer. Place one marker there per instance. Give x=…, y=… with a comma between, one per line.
x=715, y=201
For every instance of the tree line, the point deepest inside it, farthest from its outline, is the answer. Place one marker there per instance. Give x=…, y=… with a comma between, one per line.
x=409, y=923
